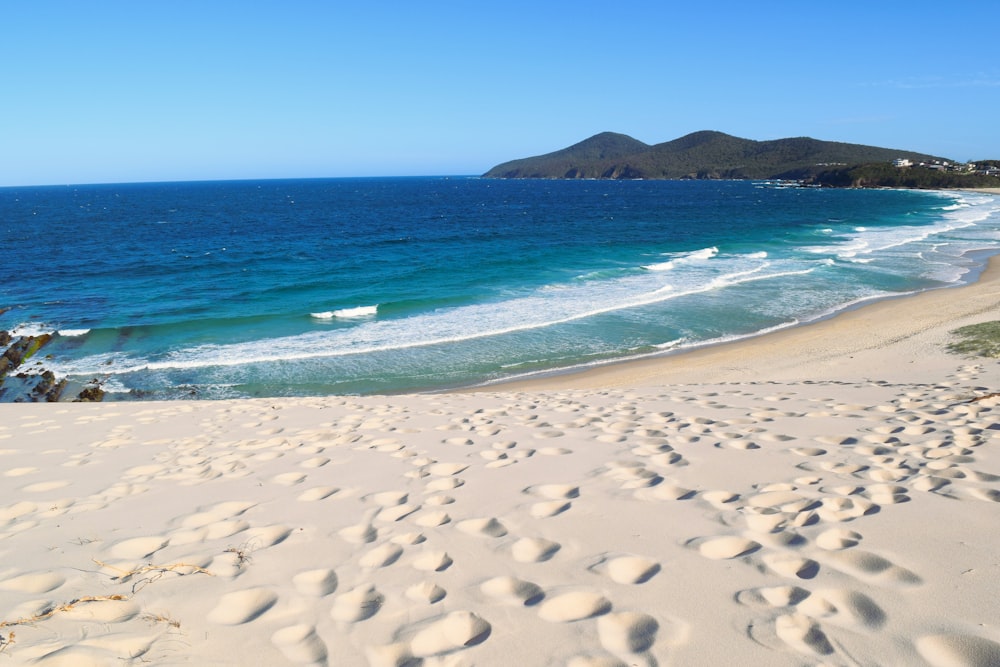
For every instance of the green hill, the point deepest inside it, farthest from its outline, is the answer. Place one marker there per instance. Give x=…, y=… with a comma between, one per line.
x=705, y=154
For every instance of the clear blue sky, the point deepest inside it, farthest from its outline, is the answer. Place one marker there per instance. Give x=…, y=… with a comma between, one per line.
x=140, y=90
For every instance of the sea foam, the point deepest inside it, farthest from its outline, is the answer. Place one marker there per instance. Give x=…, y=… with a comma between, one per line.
x=347, y=313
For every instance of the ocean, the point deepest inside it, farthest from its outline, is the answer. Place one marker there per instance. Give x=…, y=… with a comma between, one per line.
x=382, y=285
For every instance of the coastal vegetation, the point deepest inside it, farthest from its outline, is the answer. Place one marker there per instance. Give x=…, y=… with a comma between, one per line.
x=714, y=155
x=886, y=175
x=980, y=340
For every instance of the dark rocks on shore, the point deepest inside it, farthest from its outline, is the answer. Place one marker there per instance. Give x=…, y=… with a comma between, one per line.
x=48, y=388
x=22, y=349
x=34, y=386
x=91, y=394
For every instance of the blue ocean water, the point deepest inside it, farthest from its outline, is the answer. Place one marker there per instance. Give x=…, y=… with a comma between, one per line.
x=379, y=285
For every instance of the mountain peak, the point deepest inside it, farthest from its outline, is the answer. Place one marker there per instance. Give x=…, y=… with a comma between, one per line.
x=702, y=154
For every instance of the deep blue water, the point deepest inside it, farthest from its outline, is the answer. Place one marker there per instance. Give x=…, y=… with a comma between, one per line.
x=347, y=286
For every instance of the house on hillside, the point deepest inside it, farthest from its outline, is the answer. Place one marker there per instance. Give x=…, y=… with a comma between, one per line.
x=901, y=162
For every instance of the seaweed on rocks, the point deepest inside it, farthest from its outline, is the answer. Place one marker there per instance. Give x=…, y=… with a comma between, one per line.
x=20, y=350
x=26, y=386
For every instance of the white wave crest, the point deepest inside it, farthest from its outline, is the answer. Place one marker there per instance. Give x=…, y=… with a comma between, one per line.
x=72, y=333
x=683, y=258
x=28, y=329
x=347, y=313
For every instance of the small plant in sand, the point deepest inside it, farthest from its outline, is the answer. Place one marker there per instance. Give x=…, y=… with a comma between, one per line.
x=981, y=340
x=49, y=612
x=157, y=571
x=242, y=553
x=154, y=573
x=162, y=618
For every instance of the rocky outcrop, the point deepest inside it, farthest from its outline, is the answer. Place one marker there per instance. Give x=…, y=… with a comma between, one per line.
x=20, y=351
x=91, y=394
x=23, y=387
x=48, y=388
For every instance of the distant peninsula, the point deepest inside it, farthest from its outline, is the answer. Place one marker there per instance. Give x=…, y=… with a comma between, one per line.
x=716, y=155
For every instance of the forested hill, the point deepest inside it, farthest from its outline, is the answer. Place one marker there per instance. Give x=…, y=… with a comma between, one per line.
x=704, y=154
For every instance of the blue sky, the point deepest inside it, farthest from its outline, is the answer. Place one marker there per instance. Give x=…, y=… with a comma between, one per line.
x=152, y=90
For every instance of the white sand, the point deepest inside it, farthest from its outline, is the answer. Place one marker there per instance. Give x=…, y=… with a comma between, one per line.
x=827, y=495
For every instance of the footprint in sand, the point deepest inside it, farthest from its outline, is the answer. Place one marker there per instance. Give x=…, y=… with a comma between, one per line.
x=632, y=475
x=389, y=498
x=512, y=591
x=381, y=556
x=485, y=527
x=439, y=500
x=36, y=582
x=212, y=531
x=453, y=632
x=103, y=611
x=574, y=606
x=837, y=510
x=843, y=607
x=555, y=491
x=723, y=548
x=395, y=513
x=768, y=521
x=289, y=478
x=871, y=567
x=357, y=604
x=362, y=533
x=445, y=484
x=958, y=651
x=42, y=487
x=773, y=596
x=317, y=493
x=432, y=561
x=791, y=565
x=534, y=549
x=138, y=547
x=992, y=495
x=211, y=514
x=802, y=634
x=628, y=569
x=627, y=632
x=20, y=472
x=315, y=462
x=267, y=536
x=836, y=539
x=432, y=519
x=317, y=583
x=242, y=606
x=426, y=591
x=670, y=491
x=720, y=499
x=300, y=644
x=446, y=470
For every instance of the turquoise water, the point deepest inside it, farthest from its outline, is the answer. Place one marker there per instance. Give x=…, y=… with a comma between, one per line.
x=354, y=286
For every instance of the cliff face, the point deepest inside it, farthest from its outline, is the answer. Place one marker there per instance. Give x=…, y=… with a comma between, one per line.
x=705, y=154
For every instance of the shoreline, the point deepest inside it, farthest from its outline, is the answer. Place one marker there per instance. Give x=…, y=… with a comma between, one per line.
x=813, y=350
x=824, y=494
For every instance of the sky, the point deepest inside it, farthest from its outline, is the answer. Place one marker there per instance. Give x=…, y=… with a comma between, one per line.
x=157, y=90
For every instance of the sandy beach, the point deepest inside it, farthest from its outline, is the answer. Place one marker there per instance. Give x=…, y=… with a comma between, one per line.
x=823, y=495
